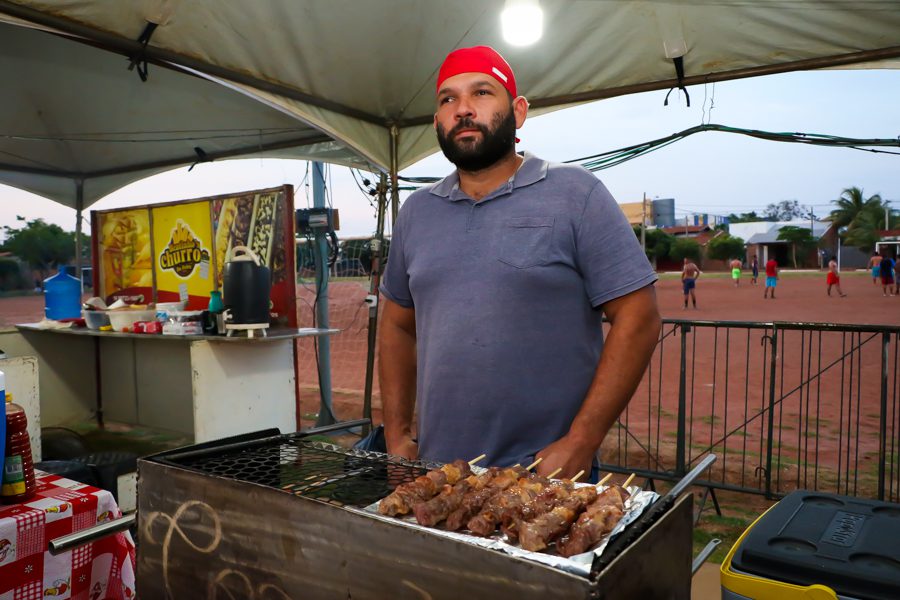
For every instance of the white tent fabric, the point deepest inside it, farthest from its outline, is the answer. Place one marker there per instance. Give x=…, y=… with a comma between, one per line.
x=360, y=70
x=71, y=113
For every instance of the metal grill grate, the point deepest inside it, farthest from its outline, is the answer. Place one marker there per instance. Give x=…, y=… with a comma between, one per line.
x=308, y=468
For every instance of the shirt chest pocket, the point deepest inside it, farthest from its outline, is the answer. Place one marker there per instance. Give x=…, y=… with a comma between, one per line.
x=525, y=241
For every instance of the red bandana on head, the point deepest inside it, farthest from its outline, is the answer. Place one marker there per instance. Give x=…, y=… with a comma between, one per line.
x=478, y=59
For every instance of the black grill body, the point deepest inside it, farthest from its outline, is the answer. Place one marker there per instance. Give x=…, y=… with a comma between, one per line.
x=271, y=516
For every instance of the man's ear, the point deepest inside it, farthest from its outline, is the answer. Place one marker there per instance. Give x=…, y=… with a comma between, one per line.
x=434, y=122
x=520, y=110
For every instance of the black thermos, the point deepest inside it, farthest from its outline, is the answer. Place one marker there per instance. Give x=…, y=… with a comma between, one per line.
x=246, y=288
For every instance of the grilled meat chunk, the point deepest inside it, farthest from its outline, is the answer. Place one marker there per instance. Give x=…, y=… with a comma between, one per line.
x=537, y=534
x=402, y=499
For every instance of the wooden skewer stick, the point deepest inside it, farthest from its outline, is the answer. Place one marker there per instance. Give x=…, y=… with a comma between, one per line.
x=604, y=480
x=577, y=476
x=628, y=481
x=534, y=464
x=554, y=473
x=477, y=459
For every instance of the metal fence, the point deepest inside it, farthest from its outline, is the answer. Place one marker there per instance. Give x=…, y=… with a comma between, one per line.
x=784, y=405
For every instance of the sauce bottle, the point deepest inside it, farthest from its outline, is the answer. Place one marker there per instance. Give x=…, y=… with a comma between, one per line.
x=2, y=420
x=18, y=466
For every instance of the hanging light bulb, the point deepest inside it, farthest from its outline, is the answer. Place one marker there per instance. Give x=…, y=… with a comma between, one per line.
x=522, y=22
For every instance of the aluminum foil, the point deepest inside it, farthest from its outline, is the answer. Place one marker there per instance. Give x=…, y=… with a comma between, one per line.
x=580, y=564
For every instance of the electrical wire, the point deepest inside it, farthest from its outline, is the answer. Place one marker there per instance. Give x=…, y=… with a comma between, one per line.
x=612, y=158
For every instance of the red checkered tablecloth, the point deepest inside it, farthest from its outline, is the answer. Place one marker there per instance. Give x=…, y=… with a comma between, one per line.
x=101, y=570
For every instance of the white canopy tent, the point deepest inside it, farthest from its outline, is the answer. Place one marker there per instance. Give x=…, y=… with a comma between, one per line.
x=361, y=73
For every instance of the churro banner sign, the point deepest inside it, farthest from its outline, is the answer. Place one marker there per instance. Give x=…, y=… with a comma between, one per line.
x=177, y=251
x=124, y=256
x=182, y=241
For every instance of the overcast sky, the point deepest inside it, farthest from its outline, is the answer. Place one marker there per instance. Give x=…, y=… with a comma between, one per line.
x=710, y=172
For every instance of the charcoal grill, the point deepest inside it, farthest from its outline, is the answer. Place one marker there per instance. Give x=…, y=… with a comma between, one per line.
x=272, y=516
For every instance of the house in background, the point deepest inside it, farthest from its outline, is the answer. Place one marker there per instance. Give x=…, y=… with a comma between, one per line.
x=890, y=241
x=761, y=238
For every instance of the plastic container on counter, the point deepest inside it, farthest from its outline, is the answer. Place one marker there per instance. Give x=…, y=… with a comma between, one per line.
x=18, y=465
x=62, y=296
x=184, y=322
x=95, y=319
x=123, y=319
x=164, y=308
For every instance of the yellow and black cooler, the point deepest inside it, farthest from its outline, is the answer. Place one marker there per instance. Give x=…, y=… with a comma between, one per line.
x=815, y=546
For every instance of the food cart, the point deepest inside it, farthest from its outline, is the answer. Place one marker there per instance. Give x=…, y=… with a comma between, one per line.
x=271, y=515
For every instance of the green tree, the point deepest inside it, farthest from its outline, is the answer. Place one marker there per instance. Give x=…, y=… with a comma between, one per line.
x=684, y=248
x=863, y=233
x=797, y=237
x=747, y=217
x=863, y=217
x=10, y=275
x=723, y=247
x=853, y=203
x=41, y=245
x=658, y=242
x=784, y=211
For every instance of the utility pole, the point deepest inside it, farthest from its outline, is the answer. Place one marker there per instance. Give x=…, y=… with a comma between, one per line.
x=644, y=223
x=326, y=409
x=812, y=234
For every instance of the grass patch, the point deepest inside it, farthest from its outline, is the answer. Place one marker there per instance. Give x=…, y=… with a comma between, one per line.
x=727, y=528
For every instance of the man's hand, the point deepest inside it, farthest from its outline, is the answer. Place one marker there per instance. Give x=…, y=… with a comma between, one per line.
x=403, y=446
x=567, y=454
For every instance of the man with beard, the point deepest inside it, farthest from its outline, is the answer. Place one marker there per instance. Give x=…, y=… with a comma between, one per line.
x=497, y=281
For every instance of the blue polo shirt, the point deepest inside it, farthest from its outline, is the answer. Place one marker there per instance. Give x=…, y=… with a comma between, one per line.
x=506, y=293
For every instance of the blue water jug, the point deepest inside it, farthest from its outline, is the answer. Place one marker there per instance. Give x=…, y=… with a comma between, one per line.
x=62, y=295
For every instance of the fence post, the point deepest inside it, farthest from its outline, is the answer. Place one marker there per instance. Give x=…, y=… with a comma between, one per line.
x=773, y=364
x=882, y=419
x=681, y=439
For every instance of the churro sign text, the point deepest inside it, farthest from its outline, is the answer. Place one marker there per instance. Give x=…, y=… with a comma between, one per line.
x=184, y=251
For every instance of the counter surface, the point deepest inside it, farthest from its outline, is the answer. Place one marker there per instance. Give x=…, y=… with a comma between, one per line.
x=272, y=335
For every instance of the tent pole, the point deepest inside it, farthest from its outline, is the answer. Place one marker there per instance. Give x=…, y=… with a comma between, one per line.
x=79, y=206
x=377, y=245
x=395, y=161
x=323, y=343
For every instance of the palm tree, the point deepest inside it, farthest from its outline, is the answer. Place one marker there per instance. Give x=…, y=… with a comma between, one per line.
x=851, y=204
x=863, y=232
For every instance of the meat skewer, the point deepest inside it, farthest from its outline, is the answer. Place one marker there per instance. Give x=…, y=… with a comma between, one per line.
x=538, y=533
x=526, y=489
x=450, y=499
x=402, y=499
x=600, y=518
x=431, y=512
x=542, y=503
x=474, y=500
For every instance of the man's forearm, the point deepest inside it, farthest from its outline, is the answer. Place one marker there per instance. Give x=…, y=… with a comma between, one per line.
x=626, y=352
x=397, y=376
